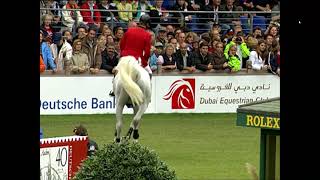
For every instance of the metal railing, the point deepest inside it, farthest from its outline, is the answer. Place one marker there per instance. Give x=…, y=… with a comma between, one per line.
x=181, y=21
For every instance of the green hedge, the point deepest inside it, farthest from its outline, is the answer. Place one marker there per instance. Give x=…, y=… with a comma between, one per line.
x=124, y=161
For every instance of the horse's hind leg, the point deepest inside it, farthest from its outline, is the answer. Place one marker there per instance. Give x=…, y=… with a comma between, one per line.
x=135, y=110
x=136, y=120
x=119, y=123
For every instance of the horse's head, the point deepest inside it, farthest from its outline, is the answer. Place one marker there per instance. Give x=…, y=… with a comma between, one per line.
x=182, y=95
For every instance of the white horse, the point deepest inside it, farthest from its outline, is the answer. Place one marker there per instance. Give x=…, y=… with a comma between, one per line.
x=131, y=85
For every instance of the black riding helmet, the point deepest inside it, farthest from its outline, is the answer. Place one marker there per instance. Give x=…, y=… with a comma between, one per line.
x=145, y=20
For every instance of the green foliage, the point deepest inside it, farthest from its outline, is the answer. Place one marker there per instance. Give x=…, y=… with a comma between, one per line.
x=130, y=161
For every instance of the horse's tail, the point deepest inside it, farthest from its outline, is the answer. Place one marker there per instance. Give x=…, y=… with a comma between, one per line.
x=128, y=72
x=252, y=171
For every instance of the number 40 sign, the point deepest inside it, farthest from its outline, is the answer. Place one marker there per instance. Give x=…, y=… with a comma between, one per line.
x=54, y=163
x=60, y=157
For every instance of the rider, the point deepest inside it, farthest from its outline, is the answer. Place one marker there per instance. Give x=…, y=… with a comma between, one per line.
x=136, y=42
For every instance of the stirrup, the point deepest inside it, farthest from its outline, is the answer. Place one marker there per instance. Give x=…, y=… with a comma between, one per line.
x=111, y=93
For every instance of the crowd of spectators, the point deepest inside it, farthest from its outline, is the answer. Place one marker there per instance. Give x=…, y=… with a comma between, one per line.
x=83, y=36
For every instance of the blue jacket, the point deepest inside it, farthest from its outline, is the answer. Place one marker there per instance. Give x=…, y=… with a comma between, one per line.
x=47, y=56
x=153, y=62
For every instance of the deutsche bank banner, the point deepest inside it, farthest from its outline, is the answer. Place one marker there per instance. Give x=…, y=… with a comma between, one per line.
x=180, y=94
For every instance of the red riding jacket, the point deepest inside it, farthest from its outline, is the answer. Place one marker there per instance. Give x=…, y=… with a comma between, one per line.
x=136, y=42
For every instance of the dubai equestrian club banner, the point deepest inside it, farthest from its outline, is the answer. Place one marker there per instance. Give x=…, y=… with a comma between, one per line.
x=178, y=94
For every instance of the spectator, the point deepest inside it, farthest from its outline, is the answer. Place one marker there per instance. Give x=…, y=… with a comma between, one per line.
x=55, y=8
x=103, y=27
x=263, y=5
x=46, y=54
x=61, y=50
x=169, y=28
x=161, y=37
x=102, y=42
x=247, y=5
x=177, y=31
x=92, y=49
x=106, y=32
x=189, y=39
x=155, y=55
x=124, y=17
x=195, y=44
x=184, y=61
x=229, y=20
x=213, y=16
x=241, y=47
x=57, y=25
x=118, y=34
x=110, y=39
x=106, y=16
x=141, y=7
x=90, y=14
x=219, y=60
x=202, y=58
x=168, y=4
x=110, y=59
x=237, y=30
x=92, y=146
x=67, y=34
x=197, y=4
x=159, y=15
x=42, y=65
x=188, y=18
x=252, y=43
x=275, y=7
x=213, y=44
x=71, y=14
x=153, y=38
x=274, y=58
x=269, y=38
x=82, y=32
x=167, y=59
x=117, y=47
x=272, y=30
x=170, y=35
x=214, y=33
x=257, y=32
x=181, y=39
x=234, y=62
x=42, y=12
x=174, y=43
x=216, y=27
x=259, y=56
x=79, y=60
x=46, y=25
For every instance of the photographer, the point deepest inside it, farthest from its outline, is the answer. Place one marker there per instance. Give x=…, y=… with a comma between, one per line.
x=92, y=145
x=242, y=49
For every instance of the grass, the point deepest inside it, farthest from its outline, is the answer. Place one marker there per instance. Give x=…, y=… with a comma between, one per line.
x=196, y=146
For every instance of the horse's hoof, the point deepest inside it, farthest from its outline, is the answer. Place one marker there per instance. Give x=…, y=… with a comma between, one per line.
x=117, y=140
x=135, y=140
x=135, y=134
